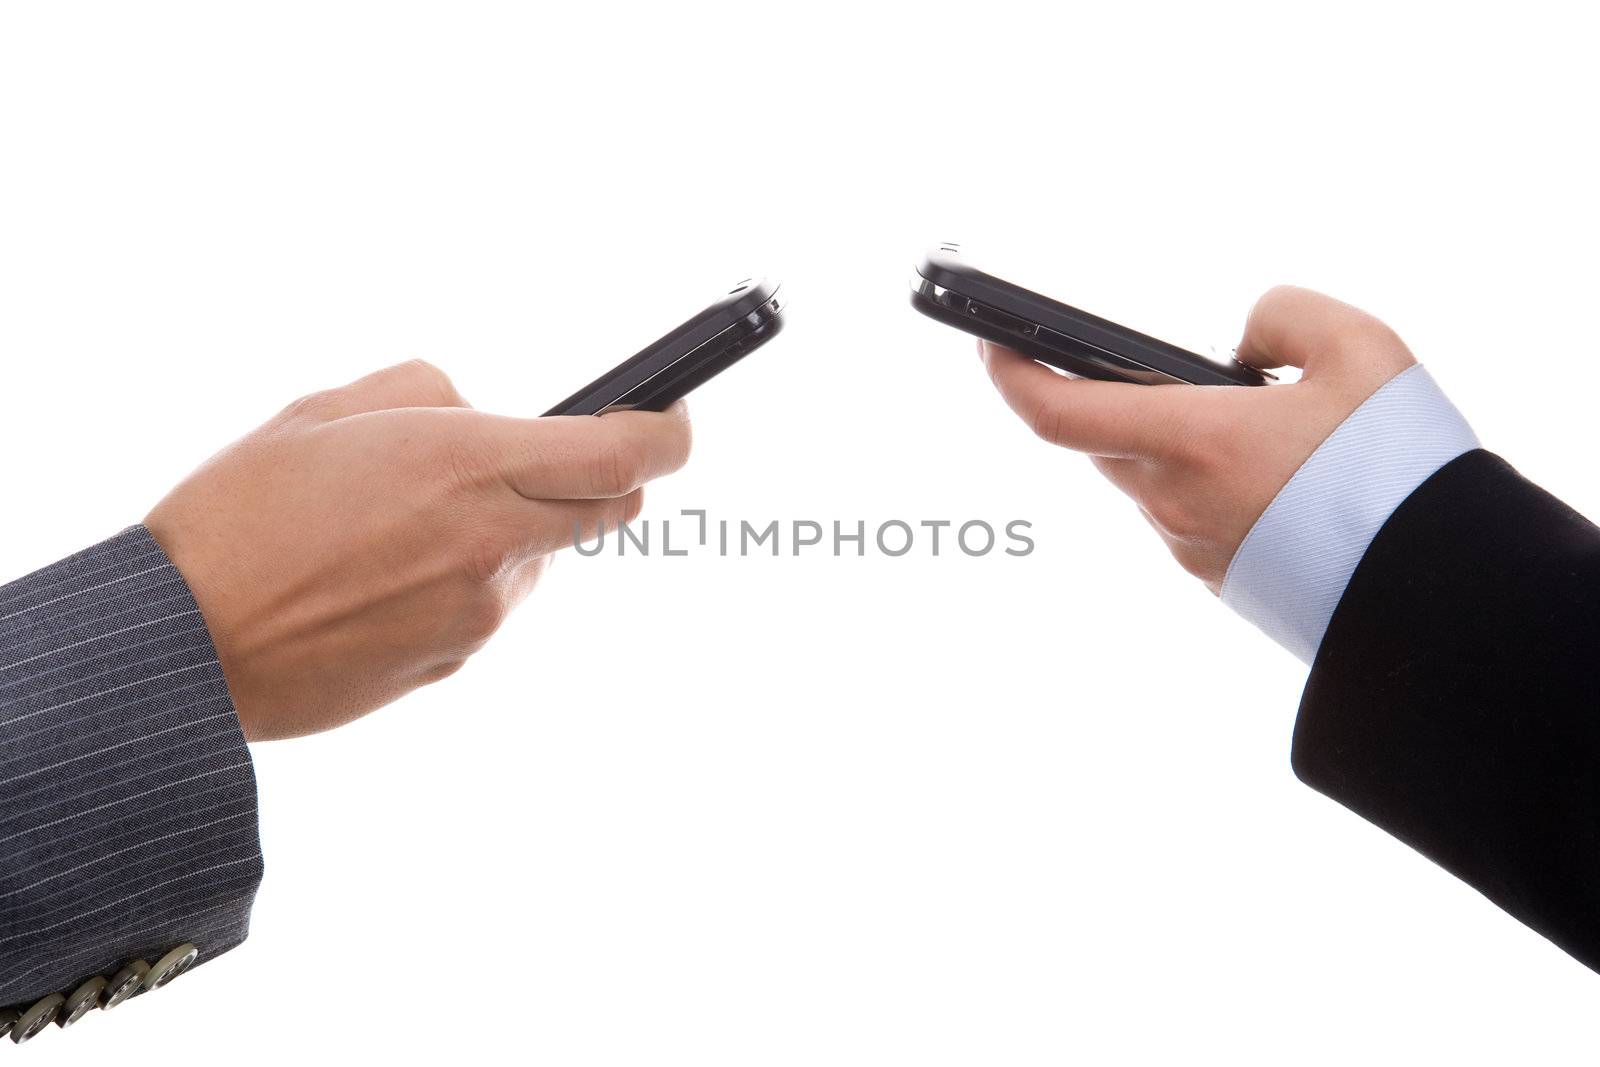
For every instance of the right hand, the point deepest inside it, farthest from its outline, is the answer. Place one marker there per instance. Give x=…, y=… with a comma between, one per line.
x=370, y=538
x=1204, y=461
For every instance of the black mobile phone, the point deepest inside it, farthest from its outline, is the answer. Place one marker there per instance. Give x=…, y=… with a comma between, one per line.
x=947, y=288
x=749, y=316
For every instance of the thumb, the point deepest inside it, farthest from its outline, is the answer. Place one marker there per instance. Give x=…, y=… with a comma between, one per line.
x=1295, y=327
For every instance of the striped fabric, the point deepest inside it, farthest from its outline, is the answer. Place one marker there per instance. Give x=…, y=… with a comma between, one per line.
x=1294, y=564
x=127, y=800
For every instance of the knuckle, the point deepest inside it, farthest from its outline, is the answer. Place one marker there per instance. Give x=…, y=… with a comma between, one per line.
x=1210, y=466
x=480, y=618
x=1045, y=420
x=1285, y=301
x=1278, y=295
x=1207, y=448
x=442, y=670
x=313, y=407
x=618, y=469
x=430, y=380
x=484, y=554
x=1373, y=341
x=1176, y=517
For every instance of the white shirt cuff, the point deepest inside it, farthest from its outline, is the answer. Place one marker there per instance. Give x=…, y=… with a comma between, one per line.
x=1293, y=565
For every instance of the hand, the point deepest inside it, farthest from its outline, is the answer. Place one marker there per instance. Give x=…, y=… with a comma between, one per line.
x=369, y=539
x=1203, y=462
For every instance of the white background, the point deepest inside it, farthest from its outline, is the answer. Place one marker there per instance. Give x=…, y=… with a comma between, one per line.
x=802, y=811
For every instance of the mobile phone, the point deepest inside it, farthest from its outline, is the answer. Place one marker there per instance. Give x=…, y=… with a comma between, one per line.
x=945, y=287
x=750, y=315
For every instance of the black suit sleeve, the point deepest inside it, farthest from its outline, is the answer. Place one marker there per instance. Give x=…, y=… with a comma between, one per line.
x=1455, y=699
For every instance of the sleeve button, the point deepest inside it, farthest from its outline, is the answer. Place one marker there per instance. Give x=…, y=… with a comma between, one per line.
x=8, y=1019
x=81, y=1001
x=124, y=984
x=168, y=967
x=36, y=1018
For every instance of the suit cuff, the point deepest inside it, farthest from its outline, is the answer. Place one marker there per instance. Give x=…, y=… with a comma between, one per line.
x=127, y=798
x=1294, y=564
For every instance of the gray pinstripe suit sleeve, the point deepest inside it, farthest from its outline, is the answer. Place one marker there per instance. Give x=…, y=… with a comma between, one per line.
x=127, y=799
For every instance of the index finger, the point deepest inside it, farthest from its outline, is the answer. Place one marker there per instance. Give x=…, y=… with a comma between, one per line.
x=1115, y=419
x=587, y=457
